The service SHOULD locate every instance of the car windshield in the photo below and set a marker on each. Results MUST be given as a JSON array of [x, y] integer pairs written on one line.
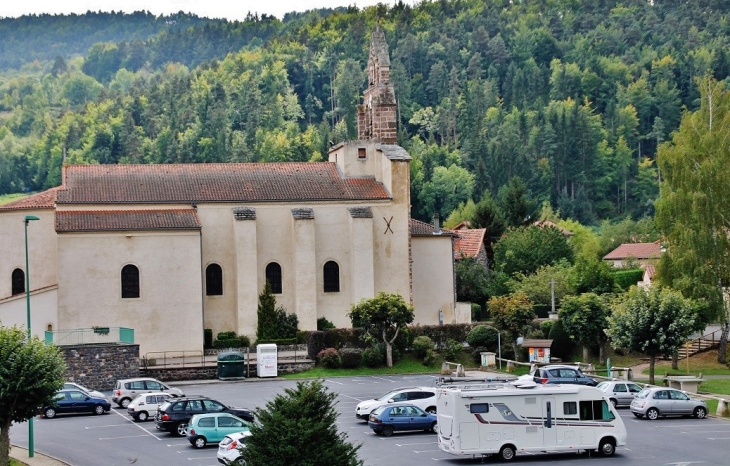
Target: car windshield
[[601, 385], [388, 395], [643, 394], [378, 410], [164, 406]]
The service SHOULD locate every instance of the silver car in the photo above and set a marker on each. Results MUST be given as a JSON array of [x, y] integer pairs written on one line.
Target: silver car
[[619, 393], [661, 401]]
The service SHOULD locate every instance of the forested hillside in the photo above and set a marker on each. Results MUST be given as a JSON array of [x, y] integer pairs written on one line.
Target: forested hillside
[[572, 97]]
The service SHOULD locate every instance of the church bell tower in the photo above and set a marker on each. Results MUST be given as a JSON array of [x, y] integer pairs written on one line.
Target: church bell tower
[[376, 116]]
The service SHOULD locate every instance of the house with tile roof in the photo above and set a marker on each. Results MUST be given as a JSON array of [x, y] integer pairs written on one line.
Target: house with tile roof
[[645, 253], [170, 250], [470, 242]]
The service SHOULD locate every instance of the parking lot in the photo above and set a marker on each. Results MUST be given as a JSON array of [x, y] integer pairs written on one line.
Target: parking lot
[[114, 439]]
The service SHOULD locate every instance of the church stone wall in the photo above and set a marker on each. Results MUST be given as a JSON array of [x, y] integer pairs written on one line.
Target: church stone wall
[[433, 280]]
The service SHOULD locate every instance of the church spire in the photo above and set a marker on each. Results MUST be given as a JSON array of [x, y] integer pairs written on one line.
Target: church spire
[[376, 117]]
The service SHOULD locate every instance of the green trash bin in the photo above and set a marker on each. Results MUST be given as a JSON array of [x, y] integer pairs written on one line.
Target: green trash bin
[[230, 365]]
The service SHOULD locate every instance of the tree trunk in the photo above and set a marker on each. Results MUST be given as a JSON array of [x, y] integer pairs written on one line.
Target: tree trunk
[[388, 354], [652, 361], [5, 443], [675, 359], [602, 353], [517, 353], [586, 354], [722, 349]]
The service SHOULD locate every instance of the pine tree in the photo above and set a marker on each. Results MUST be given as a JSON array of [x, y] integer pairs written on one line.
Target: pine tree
[[299, 428], [266, 313]]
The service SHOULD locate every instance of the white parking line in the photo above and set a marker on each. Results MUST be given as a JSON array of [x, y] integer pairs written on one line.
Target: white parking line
[[332, 381], [110, 425], [126, 436], [129, 421], [425, 451], [387, 380], [718, 438], [409, 444]]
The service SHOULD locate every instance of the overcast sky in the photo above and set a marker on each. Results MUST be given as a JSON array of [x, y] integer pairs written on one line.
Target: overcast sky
[[230, 9]]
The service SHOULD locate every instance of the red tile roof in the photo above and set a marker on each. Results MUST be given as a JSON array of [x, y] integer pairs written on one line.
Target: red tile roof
[[635, 250], [419, 228], [126, 220], [42, 200], [213, 182], [469, 242]]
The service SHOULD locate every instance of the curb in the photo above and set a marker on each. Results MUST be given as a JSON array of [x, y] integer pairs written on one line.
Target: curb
[[39, 459]]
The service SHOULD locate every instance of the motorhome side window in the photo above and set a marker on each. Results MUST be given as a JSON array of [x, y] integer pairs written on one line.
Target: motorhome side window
[[479, 408], [596, 410], [570, 407]]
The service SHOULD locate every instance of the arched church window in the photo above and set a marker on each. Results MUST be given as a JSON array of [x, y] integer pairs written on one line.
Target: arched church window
[[331, 273], [273, 276], [18, 280], [214, 280], [130, 281]]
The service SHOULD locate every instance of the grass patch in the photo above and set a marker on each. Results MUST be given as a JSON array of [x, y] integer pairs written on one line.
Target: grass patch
[[716, 386], [7, 198], [705, 363], [14, 462]]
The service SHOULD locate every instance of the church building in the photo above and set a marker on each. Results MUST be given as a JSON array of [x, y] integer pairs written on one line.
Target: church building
[[170, 250]]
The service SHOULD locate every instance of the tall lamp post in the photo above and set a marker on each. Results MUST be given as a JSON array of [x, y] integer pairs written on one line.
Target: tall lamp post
[[28, 219]]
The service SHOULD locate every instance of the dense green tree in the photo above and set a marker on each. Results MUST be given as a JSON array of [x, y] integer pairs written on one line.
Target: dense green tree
[[548, 283], [383, 318], [472, 280], [693, 202], [585, 317], [517, 207], [299, 427], [31, 372], [511, 314], [655, 322], [526, 249]]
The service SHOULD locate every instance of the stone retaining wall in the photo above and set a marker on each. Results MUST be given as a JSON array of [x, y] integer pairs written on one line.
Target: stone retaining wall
[[252, 349], [98, 367], [211, 372]]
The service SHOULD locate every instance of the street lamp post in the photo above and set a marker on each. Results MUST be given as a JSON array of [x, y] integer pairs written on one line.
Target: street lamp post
[[28, 219]]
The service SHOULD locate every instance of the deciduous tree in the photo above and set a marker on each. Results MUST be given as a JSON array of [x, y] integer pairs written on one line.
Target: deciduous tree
[[585, 319], [512, 314]]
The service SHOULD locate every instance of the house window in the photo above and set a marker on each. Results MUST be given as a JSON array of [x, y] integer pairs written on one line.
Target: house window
[[331, 277], [213, 280], [130, 281], [273, 276], [18, 279], [361, 154]]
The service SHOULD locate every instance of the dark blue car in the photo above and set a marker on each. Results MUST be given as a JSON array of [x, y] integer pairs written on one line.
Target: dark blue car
[[399, 417], [75, 401]]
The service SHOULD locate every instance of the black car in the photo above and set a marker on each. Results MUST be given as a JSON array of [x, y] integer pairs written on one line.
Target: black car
[[562, 374], [75, 401], [174, 414]]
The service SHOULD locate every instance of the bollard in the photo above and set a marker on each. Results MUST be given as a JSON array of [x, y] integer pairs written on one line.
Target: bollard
[[460, 371], [722, 408], [445, 369], [510, 366]]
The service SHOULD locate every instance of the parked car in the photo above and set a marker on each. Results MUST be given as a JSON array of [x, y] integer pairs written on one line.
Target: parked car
[[229, 452], [423, 397], [400, 417], [145, 405], [206, 428], [561, 374], [174, 414], [653, 402], [75, 386], [127, 390], [619, 393], [75, 401]]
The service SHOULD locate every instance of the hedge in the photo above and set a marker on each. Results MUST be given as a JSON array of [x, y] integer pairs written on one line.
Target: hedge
[[628, 278]]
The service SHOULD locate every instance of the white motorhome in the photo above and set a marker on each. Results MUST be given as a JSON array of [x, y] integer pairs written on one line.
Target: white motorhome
[[483, 421]]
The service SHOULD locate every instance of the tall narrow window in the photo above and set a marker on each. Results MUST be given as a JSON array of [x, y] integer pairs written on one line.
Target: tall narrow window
[[213, 280], [273, 276], [331, 277], [18, 279], [130, 281]]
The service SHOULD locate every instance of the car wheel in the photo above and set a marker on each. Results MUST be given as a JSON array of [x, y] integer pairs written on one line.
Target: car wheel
[[431, 410], [434, 425], [142, 416], [606, 447], [652, 414], [124, 402], [700, 412], [387, 431], [199, 442], [98, 409], [180, 429], [49, 413], [614, 403], [239, 462], [507, 453]]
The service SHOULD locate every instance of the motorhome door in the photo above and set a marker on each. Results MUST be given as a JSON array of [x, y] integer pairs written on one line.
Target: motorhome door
[[549, 426]]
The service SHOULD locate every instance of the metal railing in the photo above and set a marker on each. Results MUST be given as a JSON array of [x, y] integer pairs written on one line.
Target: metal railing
[[90, 336], [167, 359]]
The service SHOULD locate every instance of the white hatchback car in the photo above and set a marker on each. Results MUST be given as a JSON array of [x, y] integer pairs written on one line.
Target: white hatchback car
[[229, 452], [127, 390], [423, 397], [145, 405]]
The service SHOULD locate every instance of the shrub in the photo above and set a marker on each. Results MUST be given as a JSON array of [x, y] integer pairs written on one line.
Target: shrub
[[483, 335], [227, 343], [546, 326], [329, 358], [225, 335], [627, 278], [429, 358], [451, 350], [315, 344], [421, 345], [208, 338], [324, 324], [351, 357], [372, 357], [231, 340], [245, 341], [562, 346]]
